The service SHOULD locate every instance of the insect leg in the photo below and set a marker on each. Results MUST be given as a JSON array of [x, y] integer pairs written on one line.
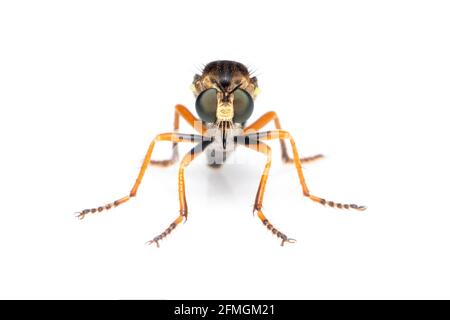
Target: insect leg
[[272, 116], [195, 123], [281, 134], [257, 207], [174, 137], [187, 159]]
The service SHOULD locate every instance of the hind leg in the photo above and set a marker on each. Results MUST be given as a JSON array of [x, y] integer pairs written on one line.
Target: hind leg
[[263, 121]]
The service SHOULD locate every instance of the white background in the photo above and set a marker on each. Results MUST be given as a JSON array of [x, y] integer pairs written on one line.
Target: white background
[[85, 86]]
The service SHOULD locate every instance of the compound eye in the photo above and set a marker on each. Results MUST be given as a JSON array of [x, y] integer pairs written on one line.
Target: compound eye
[[206, 105], [242, 105]]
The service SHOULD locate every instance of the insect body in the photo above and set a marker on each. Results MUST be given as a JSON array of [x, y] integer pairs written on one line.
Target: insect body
[[225, 94]]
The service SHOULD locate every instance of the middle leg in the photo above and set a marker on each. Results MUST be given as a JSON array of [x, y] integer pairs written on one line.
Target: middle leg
[[173, 137], [187, 159], [281, 134]]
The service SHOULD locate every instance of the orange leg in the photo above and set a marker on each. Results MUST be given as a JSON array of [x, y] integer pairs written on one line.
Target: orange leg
[[187, 159], [265, 149], [195, 123], [281, 134], [174, 137], [263, 121]]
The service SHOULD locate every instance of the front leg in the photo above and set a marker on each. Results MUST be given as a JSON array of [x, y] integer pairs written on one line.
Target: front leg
[[257, 207], [174, 137]]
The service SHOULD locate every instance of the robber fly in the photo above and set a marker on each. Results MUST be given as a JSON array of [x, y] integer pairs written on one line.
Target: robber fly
[[225, 92]]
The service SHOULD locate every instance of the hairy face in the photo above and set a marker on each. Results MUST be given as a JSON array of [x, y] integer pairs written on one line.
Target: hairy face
[[225, 92]]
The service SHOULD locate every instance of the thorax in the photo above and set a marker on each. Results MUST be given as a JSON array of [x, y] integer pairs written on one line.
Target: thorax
[[223, 138]]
